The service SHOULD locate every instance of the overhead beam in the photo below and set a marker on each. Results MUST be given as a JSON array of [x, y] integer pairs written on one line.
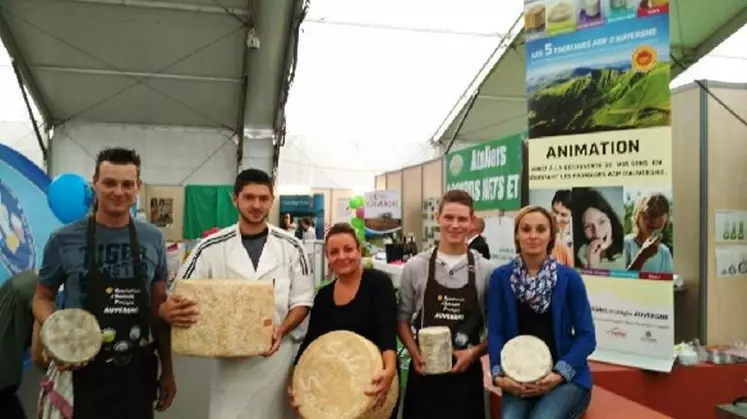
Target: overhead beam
[[503, 98], [168, 5], [495, 58], [9, 40], [134, 74]]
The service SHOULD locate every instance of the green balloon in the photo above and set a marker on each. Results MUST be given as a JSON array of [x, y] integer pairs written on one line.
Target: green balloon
[[356, 202], [357, 223], [361, 235]]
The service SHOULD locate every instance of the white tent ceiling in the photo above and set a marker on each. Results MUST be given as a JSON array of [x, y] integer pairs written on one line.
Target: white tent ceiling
[[155, 62]]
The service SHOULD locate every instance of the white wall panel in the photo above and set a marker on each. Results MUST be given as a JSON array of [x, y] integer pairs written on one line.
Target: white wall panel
[[170, 156]]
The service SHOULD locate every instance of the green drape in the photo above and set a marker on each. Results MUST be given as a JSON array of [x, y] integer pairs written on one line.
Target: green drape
[[206, 207]]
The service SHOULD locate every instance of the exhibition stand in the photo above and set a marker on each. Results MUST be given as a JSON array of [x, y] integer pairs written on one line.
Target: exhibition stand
[[627, 392]]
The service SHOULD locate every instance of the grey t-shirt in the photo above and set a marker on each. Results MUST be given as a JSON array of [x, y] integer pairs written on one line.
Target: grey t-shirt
[[254, 245], [415, 277], [64, 260]]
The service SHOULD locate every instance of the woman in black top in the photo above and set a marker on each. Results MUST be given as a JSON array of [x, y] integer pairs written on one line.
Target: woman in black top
[[358, 300]]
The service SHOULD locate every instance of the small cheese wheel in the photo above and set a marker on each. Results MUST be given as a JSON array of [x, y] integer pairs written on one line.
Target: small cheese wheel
[[435, 348], [71, 336], [333, 374], [526, 359]]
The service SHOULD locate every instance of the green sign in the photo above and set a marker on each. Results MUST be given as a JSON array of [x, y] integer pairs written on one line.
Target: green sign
[[490, 172]]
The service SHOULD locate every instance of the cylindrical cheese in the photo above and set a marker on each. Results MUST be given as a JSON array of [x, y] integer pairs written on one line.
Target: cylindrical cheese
[[534, 18], [235, 320], [435, 348], [71, 336], [333, 375], [526, 359]]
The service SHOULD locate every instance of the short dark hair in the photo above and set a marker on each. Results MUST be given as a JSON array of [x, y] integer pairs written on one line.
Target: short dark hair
[[342, 228], [118, 155], [249, 177], [562, 197], [456, 196]]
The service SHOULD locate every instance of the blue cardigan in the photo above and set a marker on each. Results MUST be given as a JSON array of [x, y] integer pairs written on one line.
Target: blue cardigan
[[573, 326]]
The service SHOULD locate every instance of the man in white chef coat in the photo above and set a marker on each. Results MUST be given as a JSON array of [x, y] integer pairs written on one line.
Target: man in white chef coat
[[252, 388]]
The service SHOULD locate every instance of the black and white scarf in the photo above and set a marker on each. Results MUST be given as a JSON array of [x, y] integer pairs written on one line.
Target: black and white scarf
[[535, 292]]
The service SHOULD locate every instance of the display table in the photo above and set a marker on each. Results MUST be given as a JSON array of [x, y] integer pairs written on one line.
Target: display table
[[393, 270], [687, 392]]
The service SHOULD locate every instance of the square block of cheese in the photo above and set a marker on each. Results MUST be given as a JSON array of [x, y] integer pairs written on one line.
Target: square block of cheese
[[236, 318]]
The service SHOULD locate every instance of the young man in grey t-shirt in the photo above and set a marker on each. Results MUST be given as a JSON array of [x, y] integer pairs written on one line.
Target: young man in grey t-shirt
[[446, 287], [114, 267]]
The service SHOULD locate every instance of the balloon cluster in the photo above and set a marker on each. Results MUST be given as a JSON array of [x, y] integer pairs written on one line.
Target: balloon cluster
[[357, 204], [70, 198]]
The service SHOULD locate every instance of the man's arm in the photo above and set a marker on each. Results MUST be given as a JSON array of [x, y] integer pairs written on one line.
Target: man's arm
[[175, 310], [406, 309], [301, 297], [37, 352], [197, 265], [161, 329], [51, 277]]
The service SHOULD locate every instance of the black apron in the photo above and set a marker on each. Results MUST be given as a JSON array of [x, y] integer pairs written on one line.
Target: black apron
[[10, 405], [451, 395], [122, 381]]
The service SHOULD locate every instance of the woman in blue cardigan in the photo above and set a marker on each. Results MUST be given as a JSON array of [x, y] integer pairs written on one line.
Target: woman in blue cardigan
[[535, 295]]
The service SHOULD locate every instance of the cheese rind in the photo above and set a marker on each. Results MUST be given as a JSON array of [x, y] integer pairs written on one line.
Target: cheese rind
[[235, 318], [436, 349], [526, 359], [333, 374], [71, 336]]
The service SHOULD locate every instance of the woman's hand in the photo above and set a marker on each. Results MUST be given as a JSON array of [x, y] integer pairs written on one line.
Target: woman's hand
[[510, 386], [381, 382], [291, 395], [178, 311], [544, 385], [594, 251]]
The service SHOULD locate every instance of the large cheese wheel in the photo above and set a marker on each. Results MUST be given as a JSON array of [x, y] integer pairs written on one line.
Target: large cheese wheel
[[333, 374], [435, 348], [526, 359], [235, 320], [71, 336]]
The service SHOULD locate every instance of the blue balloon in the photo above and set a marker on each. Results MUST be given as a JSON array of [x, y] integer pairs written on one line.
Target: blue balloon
[[69, 197]]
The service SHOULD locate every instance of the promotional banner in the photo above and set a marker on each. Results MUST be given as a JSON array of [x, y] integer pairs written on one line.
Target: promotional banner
[[26, 221], [490, 172], [600, 157], [383, 211]]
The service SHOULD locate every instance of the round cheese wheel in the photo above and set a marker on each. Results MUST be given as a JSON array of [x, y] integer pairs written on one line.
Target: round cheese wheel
[[71, 336], [526, 359], [435, 348], [333, 374]]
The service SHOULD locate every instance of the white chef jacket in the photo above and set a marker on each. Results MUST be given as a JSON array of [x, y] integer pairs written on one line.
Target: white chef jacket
[[254, 387]]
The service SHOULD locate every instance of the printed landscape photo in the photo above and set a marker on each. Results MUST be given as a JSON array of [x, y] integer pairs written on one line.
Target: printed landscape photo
[[599, 99], [598, 89]]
